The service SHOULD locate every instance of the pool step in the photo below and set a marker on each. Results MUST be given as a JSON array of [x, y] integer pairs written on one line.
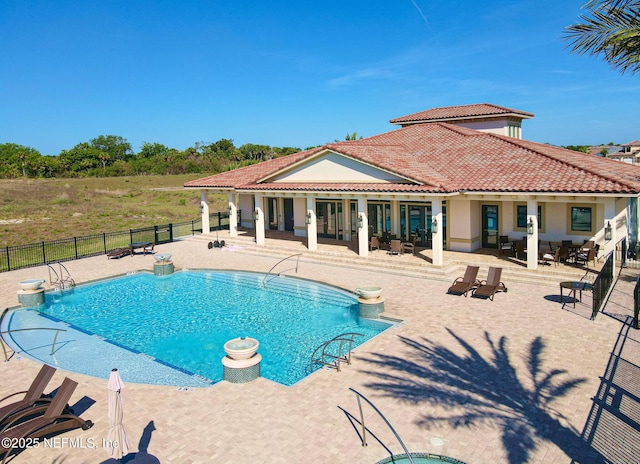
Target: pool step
[[282, 285]]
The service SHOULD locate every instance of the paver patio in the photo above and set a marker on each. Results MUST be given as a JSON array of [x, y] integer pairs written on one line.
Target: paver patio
[[462, 377]]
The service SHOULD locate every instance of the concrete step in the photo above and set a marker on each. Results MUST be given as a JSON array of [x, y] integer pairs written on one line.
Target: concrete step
[[409, 265]]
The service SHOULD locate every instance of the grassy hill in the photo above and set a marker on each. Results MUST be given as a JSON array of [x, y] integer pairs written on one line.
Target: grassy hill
[[33, 210]]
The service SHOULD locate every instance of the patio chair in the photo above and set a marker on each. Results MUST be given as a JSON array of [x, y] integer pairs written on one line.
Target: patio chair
[[410, 246], [395, 247], [505, 245], [588, 244], [54, 419], [565, 254], [521, 252], [32, 397], [463, 284], [554, 257], [374, 243], [584, 257], [488, 288]]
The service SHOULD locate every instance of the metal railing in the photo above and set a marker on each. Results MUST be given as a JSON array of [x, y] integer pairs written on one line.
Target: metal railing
[[603, 282], [601, 285], [636, 304], [10, 331], [364, 428], [68, 249], [332, 352], [264, 280], [62, 279]]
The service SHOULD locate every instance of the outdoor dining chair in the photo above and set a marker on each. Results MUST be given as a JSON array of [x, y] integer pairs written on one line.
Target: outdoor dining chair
[[374, 243], [395, 247], [410, 246], [505, 245], [584, 257]]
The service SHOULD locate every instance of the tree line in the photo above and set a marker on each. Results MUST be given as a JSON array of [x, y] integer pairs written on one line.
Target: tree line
[[111, 155]]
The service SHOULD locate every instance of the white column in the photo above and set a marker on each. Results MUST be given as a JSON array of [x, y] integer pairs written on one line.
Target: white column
[[204, 212], [363, 229], [395, 218], [280, 202], [610, 219], [437, 244], [532, 239], [312, 227], [346, 220], [233, 215], [258, 208]]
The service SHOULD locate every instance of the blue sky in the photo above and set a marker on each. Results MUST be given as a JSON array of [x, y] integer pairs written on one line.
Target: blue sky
[[301, 73]]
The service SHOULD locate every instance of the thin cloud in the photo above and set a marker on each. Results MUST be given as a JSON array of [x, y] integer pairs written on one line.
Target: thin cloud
[[424, 18], [361, 75]]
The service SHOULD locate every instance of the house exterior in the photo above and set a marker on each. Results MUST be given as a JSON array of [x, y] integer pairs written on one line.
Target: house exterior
[[456, 177], [630, 153]]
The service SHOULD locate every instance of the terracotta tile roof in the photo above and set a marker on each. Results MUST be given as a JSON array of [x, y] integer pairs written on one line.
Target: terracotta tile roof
[[441, 157], [633, 143], [460, 112]]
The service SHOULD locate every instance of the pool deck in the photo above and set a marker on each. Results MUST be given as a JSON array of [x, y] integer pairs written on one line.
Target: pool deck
[[461, 377]]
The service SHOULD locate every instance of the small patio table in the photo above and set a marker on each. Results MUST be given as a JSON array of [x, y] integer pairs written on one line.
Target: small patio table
[[573, 287], [146, 246]]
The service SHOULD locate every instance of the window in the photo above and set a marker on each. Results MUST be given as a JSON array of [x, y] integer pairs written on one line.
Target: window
[[521, 213], [581, 218]]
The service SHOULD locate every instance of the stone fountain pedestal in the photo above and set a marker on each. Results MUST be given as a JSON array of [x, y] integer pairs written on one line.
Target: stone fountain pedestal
[[31, 293], [370, 302], [163, 265], [370, 308], [242, 362]]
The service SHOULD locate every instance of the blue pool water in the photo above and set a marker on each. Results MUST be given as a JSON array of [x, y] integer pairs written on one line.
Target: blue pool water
[[185, 318]]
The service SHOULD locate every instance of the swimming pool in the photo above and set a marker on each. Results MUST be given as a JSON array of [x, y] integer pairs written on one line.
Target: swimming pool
[[184, 319]]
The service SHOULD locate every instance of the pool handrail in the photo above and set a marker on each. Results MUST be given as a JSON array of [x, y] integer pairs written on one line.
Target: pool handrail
[[10, 331], [364, 428], [334, 360], [61, 280], [264, 280]]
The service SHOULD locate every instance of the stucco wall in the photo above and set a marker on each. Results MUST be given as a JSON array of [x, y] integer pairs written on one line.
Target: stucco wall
[[299, 214], [245, 203]]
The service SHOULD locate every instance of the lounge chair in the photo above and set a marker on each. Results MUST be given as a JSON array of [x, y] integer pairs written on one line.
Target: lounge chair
[[119, 253], [54, 419], [488, 288], [463, 284], [32, 397]]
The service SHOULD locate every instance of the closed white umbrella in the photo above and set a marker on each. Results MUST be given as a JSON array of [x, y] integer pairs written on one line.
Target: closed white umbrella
[[117, 443]]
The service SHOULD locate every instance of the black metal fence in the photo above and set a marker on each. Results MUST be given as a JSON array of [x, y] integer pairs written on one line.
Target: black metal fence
[[604, 280], [601, 285], [67, 249], [636, 304]]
